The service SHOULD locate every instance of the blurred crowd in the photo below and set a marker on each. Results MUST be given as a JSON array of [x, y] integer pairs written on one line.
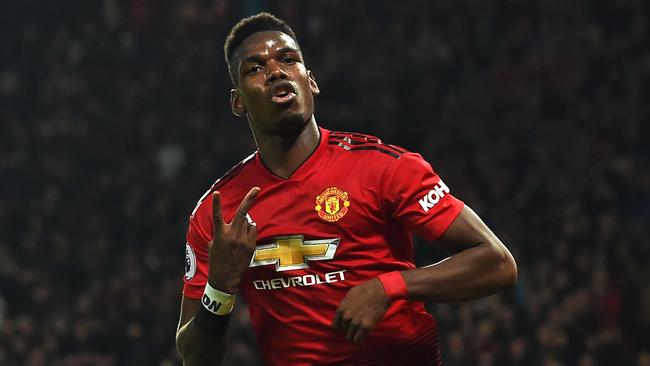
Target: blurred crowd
[[115, 120]]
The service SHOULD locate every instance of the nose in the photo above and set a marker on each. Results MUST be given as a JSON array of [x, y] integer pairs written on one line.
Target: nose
[[274, 72]]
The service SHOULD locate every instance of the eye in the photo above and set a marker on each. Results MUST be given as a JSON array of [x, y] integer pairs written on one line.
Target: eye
[[289, 59], [253, 69]]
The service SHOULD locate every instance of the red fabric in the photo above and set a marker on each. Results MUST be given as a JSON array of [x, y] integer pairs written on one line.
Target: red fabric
[[386, 189], [394, 285]]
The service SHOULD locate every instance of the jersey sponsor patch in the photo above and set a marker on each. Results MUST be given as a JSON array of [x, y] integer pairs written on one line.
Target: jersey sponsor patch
[[190, 262], [300, 281], [433, 196], [293, 252]]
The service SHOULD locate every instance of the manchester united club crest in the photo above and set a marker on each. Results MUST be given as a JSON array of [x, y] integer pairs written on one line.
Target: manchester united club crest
[[332, 204]]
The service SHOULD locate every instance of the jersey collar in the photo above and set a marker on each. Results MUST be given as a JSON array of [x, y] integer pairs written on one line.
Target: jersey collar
[[306, 166]]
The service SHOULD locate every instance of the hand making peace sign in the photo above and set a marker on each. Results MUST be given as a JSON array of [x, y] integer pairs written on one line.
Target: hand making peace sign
[[233, 244]]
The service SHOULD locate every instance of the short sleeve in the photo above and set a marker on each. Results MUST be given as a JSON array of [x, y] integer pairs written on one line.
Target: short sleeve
[[199, 233], [418, 198]]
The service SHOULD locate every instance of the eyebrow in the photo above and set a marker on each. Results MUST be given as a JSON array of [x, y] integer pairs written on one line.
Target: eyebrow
[[259, 60], [288, 50]]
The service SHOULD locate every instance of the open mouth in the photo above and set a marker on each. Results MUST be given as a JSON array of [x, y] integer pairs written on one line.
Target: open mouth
[[283, 97], [282, 93]]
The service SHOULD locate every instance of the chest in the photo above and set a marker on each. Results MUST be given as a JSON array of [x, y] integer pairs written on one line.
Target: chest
[[316, 221], [323, 205]]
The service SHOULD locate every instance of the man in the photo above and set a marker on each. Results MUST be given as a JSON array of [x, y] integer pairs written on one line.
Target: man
[[314, 230]]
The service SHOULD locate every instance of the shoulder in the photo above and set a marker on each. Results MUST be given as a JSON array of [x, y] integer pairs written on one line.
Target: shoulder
[[225, 182], [378, 155], [234, 173], [371, 153], [376, 161], [364, 145]]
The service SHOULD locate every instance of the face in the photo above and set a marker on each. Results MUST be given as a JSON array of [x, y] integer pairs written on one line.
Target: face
[[275, 90]]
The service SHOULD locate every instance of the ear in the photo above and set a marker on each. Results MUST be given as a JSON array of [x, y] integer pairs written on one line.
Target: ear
[[236, 106], [315, 90]]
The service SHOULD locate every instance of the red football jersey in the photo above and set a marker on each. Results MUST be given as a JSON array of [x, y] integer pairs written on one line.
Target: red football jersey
[[343, 217]]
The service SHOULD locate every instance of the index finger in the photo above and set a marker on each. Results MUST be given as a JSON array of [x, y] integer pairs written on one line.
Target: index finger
[[217, 216], [245, 205]]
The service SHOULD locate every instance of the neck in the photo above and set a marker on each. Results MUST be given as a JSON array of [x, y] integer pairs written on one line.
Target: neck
[[283, 154]]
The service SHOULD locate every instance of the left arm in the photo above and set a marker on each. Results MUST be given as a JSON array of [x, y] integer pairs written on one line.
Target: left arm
[[480, 265]]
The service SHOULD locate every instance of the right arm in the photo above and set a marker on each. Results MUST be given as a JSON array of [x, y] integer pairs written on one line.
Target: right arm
[[201, 335], [196, 346]]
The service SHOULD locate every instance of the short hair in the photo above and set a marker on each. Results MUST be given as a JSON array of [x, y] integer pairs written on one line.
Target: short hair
[[246, 27]]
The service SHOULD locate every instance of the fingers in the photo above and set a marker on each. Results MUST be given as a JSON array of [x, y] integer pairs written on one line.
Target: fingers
[[246, 203], [252, 231], [353, 328], [240, 215], [356, 322], [338, 320], [217, 216], [362, 333], [347, 325]]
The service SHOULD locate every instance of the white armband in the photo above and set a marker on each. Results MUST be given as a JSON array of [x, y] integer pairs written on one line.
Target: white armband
[[217, 302]]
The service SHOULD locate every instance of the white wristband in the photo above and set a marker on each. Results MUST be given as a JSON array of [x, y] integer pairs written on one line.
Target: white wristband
[[217, 302]]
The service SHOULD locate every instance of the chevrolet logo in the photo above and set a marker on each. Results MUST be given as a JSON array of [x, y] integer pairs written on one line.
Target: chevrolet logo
[[293, 252]]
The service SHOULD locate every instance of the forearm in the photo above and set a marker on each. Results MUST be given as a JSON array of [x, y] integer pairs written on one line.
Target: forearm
[[473, 273], [198, 347]]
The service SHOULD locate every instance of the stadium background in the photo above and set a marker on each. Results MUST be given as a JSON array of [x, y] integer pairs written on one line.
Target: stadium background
[[115, 120]]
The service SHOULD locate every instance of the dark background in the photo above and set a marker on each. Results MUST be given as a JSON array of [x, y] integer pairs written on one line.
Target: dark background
[[114, 121]]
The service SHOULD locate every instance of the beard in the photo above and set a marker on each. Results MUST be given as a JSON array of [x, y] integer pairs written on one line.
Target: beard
[[286, 122], [287, 127], [290, 123]]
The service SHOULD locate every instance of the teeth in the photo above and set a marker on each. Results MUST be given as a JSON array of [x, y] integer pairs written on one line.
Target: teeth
[[282, 98]]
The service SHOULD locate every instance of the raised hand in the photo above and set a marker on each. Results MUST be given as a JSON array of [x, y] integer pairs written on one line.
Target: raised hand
[[233, 244], [361, 310]]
